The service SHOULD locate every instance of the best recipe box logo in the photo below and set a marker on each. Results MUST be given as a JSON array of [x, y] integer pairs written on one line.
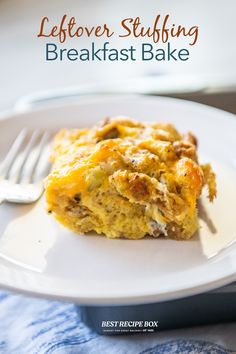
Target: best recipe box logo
[[129, 326], [159, 33]]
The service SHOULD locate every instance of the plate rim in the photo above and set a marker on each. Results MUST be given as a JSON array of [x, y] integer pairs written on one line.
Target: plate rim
[[124, 300], [143, 298]]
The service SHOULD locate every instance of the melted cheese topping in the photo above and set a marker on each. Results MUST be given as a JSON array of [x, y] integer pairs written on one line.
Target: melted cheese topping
[[123, 178]]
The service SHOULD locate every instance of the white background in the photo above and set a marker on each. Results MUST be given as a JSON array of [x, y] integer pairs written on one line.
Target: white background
[[24, 70]]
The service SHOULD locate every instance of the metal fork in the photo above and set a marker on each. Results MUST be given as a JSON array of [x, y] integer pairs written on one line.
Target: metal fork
[[24, 168]]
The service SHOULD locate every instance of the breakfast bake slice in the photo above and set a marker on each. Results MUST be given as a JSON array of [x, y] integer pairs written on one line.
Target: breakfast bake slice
[[123, 178]]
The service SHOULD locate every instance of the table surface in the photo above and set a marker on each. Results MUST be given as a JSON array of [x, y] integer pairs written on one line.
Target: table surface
[[23, 70]]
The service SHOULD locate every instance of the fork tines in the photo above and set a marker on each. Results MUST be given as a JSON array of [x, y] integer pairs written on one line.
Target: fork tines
[[27, 159]]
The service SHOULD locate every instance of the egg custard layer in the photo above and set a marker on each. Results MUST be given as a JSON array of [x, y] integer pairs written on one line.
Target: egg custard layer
[[123, 178]]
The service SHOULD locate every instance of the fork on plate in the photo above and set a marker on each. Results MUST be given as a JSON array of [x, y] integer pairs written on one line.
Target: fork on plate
[[24, 168]]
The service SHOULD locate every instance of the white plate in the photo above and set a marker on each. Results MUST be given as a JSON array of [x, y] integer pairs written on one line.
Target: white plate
[[40, 257]]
